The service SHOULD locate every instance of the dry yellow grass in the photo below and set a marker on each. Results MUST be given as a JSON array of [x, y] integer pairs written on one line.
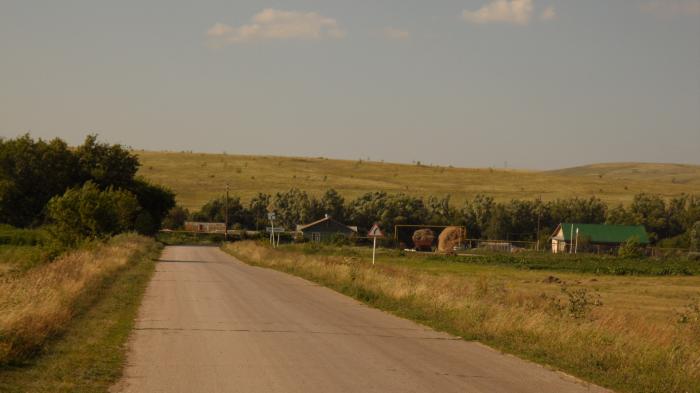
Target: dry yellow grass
[[38, 304], [198, 177], [614, 345]]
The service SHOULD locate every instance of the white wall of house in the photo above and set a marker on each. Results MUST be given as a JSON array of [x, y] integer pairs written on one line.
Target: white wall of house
[[558, 243], [558, 246]]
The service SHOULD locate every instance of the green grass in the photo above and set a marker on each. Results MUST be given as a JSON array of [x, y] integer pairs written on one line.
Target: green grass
[[22, 237], [628, 333], [197, 178], [89, 355], [545, 261], [180, 238], [22, 249], [17, 259]]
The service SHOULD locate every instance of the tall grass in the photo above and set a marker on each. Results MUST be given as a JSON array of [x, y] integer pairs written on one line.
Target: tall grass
[[571, 332], [38, 304], [22, 237]]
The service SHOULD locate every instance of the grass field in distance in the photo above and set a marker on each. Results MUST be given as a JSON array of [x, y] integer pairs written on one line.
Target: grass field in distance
[[198, 177]]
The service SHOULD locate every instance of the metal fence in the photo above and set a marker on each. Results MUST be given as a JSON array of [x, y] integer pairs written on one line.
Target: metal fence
[[501, 245]]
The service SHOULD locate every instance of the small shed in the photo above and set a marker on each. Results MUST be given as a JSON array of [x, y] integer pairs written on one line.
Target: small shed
[[595, 237], [325, 229], [205, 227]]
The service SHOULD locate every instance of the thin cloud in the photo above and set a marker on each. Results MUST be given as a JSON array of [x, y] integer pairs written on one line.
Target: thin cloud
[[392, 33], [516, 12], [549, 14], [273, 24], [671, 7]]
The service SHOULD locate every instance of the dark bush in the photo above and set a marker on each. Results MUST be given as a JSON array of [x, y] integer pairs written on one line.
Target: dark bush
[[89, 213]]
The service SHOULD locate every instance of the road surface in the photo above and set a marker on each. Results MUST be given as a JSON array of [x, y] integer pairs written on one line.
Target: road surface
[[210, 323]]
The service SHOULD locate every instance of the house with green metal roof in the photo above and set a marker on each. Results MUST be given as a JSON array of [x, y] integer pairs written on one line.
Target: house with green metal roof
[[595, 237]]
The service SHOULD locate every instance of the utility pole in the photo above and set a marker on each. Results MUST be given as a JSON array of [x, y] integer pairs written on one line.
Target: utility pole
[[271, 216], [226, 214], [539, 214], [571, 239], [538, 230]]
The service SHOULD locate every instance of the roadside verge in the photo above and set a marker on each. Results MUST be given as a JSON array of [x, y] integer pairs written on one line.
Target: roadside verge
[[602, 345], [69, 320]]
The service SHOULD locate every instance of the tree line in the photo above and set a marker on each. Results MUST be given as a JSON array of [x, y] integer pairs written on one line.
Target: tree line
[[668, 221], [89, 191]]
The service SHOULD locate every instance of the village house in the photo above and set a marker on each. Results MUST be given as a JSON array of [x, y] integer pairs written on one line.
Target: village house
[[325, 229], [205, 227], [595, 237]]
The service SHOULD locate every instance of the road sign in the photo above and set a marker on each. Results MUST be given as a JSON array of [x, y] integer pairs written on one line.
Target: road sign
[[375, 232], [271, 216], [276, 229]]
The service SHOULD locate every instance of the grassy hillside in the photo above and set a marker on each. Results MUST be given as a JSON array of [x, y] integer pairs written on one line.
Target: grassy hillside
[[197, 177], [664, 173]]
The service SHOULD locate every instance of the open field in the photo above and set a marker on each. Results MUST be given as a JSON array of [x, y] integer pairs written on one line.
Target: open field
[[38, 304], [629, 333], [198, 177], [680, 265]]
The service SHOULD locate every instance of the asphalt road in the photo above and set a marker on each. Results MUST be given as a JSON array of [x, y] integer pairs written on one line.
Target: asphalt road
[[210, 323]]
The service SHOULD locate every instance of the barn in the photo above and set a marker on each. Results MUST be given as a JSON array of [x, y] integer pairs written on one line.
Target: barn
[[206, 227], [595, 237], [325, 229]]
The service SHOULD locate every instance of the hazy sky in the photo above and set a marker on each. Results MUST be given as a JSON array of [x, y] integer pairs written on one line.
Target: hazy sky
[[536, 83]]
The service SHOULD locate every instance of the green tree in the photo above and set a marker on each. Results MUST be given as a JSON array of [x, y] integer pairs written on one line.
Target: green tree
[[107, 165], [156, 202], [31, 173], [292, 207], [478, 212], [89, 213], [498, 226], [333, 204], [215, 211], [650, 210], [176, 217], [467, 218], [630, 249], [619, 215], [258, 209], [440, 212], [402, 209], [522, 219], [578, 210], [367, 209]]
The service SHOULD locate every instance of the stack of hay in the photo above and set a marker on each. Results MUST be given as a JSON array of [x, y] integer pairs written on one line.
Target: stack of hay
[[423, 239], [450, 238]]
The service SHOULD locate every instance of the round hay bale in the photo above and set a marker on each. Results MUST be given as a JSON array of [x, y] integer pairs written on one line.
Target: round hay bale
[[450, 238], [423, 239]]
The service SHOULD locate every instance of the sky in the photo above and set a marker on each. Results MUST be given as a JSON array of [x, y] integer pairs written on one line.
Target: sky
[[535, 84]]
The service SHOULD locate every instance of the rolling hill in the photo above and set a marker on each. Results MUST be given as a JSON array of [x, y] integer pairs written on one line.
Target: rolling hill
[[198, 177]]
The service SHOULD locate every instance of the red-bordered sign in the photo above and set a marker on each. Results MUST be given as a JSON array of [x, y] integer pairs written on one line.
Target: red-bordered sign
[[375, 231]]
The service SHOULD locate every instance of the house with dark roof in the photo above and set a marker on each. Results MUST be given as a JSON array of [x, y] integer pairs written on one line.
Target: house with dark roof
[[595, 237], [325, 229]]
